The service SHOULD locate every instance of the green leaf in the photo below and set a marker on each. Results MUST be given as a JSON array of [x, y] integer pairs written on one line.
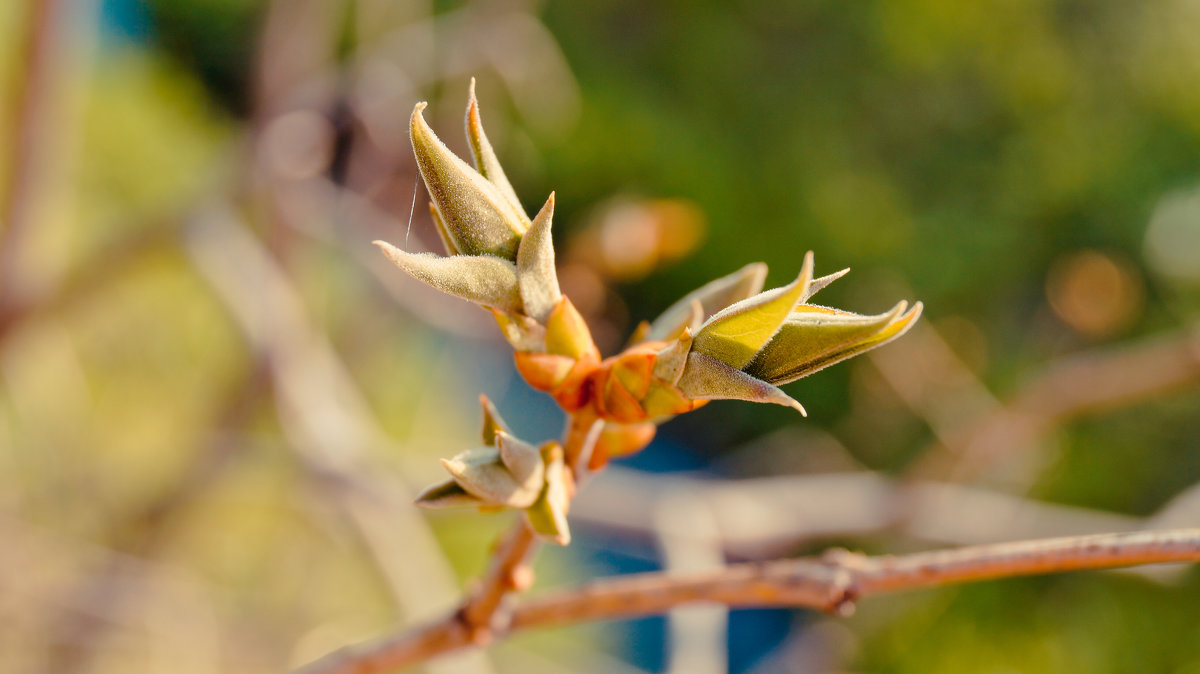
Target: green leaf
[[816, 337], [482, 279], [485, 157], [706, 378], [735, 334], [536, 276], [477, 217], [712, 297]]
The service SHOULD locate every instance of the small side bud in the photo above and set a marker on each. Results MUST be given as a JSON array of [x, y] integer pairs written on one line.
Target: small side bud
[[523, 460], [567, 333], [482, 474]]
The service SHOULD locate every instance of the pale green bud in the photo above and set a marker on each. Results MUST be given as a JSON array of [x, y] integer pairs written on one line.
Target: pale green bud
[[706, 378], [536, 276], [483, 474], [483, 279], [477, 217]]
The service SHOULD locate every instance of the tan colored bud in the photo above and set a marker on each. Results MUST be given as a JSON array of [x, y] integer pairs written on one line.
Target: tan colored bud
[[482, 279], [536, 276], [478, 218], [448, 494], [486, 161], [482, 473]]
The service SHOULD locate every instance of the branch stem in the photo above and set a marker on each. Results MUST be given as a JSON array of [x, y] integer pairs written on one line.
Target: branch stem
[[832, 582]]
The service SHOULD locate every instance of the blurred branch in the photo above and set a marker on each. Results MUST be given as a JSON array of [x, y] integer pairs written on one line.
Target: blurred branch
[[101, 268], [140, 534], [33, 92], [319, 406], [1081, 384], [974, 430], [833, 582], [760, 518]]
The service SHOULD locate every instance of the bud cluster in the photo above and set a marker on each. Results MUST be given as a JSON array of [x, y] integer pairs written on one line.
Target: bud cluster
[[728, 339]]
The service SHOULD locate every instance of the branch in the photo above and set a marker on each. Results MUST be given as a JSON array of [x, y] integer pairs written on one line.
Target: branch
[[829, 583]]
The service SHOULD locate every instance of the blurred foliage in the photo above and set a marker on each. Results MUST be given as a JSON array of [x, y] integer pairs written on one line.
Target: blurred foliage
[[962, 153]]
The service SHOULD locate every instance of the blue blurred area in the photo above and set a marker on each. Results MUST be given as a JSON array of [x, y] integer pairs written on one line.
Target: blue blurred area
[[125, 20]]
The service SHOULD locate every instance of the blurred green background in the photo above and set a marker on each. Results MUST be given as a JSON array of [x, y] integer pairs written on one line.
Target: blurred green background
[[216, 401]]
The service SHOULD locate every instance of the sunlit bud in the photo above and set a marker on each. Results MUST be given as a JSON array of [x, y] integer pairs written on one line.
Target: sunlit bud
[[477, 216], [482, 279], [815, 337], [483, 474], [485, 158], [736, 333], [536, 277], [706, 378], [567, 334], [711, 298]]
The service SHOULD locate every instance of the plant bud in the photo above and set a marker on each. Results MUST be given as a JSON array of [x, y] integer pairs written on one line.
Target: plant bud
[[477, 217]]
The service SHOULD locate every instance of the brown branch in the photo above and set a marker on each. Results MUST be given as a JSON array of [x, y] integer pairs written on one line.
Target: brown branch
[[31, 98], [829, 583]]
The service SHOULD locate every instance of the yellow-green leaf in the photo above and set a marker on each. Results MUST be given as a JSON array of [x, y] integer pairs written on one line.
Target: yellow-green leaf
[[735, 334], [711, 298], [816, 337]]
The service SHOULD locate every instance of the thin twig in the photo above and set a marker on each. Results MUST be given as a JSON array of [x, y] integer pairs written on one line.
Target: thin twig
[[833, 582]]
